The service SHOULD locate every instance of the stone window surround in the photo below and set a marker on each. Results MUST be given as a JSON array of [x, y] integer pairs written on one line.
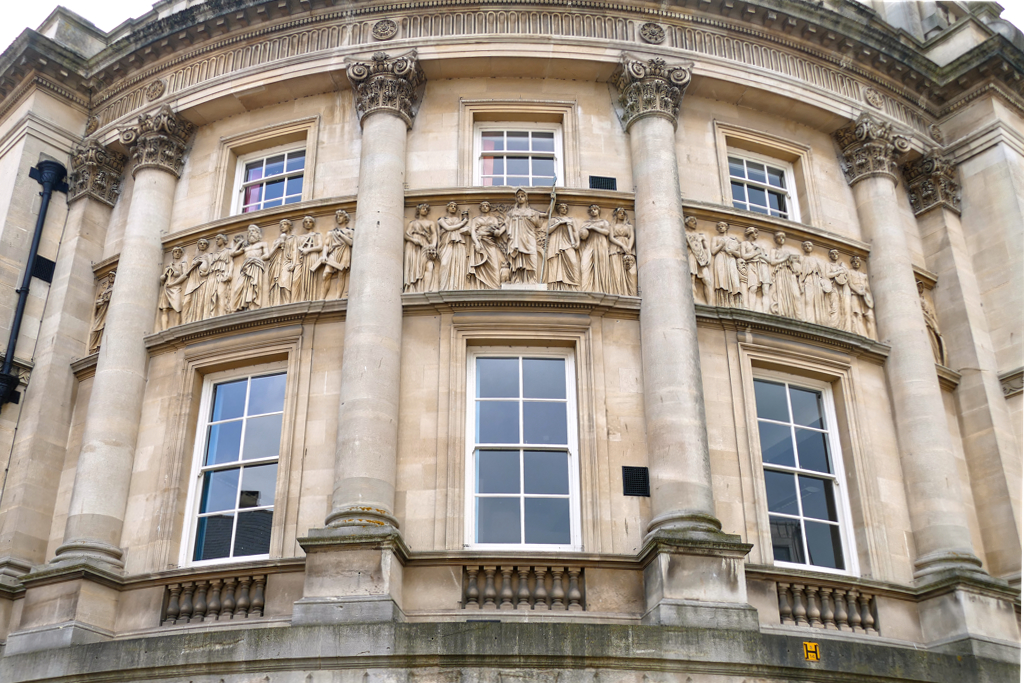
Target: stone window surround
[[789, 177], [860, 499], [564, 113], [286, 136], [743, 140]]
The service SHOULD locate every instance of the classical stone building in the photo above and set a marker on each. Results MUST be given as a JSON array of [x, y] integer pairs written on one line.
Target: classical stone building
[[511, 341]]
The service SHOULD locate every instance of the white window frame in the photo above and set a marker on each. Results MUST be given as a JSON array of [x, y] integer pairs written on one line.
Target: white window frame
[[198, 455], [239, 186], [573, 448], [792, 204], [478, 154], [846, 531]]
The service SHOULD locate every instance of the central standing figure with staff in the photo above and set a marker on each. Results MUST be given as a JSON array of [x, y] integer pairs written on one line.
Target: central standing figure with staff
[[523, 225]]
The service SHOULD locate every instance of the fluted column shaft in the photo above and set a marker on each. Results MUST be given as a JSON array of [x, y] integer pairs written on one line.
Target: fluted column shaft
[[367, 445], [677, 441], [937, 514], [103, 475]]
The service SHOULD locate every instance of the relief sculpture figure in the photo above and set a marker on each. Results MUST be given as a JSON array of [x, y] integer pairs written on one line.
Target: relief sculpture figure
[[522, 224], [726, 251], [839, 298], [931, 321], [787, 267], [487, 259], [862, 304], [249, 288], [595, 252], [817, 286], [307, 283], [563, 260], [281, 266], [622, 262], [699, 259], [453, 232], [170, 294], [420, 252], [759, 273], [196, 298], [99, 314], [222, 267], [337, 254]]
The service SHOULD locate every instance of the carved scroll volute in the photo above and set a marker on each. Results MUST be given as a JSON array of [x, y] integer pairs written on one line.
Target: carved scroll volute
[[387, 84], [931, 181], [650, 87], [95, 172], [870, 148], [158, 140]]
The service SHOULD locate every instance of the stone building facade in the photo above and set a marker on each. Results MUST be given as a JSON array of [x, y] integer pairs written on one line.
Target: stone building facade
[[515, 340]]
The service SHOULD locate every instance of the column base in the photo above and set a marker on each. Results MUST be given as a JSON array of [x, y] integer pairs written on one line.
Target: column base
[[933, 566], [12, 569], [967, 613], [109, 556], [353, 575]]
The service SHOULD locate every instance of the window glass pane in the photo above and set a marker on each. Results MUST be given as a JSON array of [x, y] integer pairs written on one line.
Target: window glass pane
[[812, 450], [517, 181], [224, 442], [294, 186], [252, 197], [274, 190], [543, 378], [543, 166], [543, 181], [752, 207], [275, 166], [544, 423], [776, 444], [497, 472], [787, 540], [781, 489], [774, 200], [258, 484], [518, 165], [755, 194], [253, 171], [755, 172], [736, 167], [817, 498], [488, 182], [497, 377], [213, 537], [806, 408], [546, 472], [497, 422], [543, 142], [253, 534], [738, 192], [771, 401], [547, 520], [776, 177], [517, 140], [262, 437], [266, 395], [296, 161], [220, 489], [228, 400], [497, 520], [824, 545], [270, 205], [492, 141]]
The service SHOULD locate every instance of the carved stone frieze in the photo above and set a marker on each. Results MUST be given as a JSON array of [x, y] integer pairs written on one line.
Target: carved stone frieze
[[104, 289], [1012, 382], [385, 29], [155, 89], [387, 84], [158, 140], [931, 181], [652, 33], [870, 148], [931, 321], [650, 87], [95, 172]]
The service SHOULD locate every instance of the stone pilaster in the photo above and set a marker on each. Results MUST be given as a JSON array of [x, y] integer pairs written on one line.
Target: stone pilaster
[[685, 549], [986, 427], [941, 532], [158, 145], [362, 538]]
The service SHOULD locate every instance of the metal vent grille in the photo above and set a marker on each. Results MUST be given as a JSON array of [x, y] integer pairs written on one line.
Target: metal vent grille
[[600, 182], [636, 481]]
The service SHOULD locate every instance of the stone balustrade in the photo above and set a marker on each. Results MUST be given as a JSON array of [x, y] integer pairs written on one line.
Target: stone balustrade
[[525, 587], [828, 607], [218, 599]]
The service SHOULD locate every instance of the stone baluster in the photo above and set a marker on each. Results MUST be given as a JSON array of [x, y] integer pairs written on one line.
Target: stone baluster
[[853, 609], [557, 591], [867, 617], [200, 606], [506, 589], [227, 610], [540, 592], [828, 616], [242, 597], [523, 593], [99, 497], [799, 607], [214, 605], [489, 593], [813, 609], [258, 596], [785, 608], [472, 589], [842, 616], [574, 596], [173, 606], [187, 589]]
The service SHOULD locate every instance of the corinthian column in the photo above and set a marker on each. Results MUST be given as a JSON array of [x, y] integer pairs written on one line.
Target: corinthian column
[[939, 520], [682, 503], [96, 516]]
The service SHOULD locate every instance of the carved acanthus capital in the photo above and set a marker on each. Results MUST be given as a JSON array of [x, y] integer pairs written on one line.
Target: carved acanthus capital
[[387, 84], [650, 88], [870, 148], [158, 140], [95, 172], [931, 181]]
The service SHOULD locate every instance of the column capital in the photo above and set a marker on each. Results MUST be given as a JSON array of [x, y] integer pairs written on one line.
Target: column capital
[[931, 182], [870, 148], [158, 140], [387, 84], [95, 172], [650, 87]]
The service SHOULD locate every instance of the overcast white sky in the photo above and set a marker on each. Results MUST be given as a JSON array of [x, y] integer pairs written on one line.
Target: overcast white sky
[[107, 14]]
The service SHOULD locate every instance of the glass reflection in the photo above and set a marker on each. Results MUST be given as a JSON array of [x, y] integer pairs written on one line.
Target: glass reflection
[[787, 540], [497, 520], [776, 444], [547, 520], [812, 450], [252, 537], [219, 490], [543, 378], [224, 442], [497, 472], [258, 486], [781, 490], [806, 408], [497, 377], [262, 437], [817, 498], [546, 472], [497, 421], [545, 423], [213, 537], [228, 401], [824, 545], [771, 401]]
